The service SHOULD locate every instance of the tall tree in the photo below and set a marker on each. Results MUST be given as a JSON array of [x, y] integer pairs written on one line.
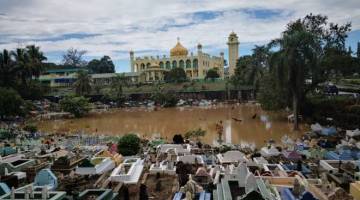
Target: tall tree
[[8, 70], [36, 59], [117, 88], [104, 65], [74, 57], [212, 74], [83, 83], [176, 75], [22, 61]]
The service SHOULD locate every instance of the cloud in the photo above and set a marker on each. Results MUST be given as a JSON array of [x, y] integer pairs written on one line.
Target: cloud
[[113, 27]]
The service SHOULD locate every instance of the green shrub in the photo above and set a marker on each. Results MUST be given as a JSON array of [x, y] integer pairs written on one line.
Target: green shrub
[[76, 105], [30, 128], [343, 110], [129, 145], [11, 104]]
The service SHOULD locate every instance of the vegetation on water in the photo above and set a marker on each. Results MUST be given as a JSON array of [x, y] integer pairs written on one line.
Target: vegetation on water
[[32, 128], [76, 105], [166, 99], [129, 145], [195, 134]]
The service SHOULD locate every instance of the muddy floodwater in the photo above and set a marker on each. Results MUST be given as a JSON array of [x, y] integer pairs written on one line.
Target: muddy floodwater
[[239, 122]]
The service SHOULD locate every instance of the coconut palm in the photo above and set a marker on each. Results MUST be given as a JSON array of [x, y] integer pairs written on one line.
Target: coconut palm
[[83, 83], [21, 60], [8, 70], [36, 58]]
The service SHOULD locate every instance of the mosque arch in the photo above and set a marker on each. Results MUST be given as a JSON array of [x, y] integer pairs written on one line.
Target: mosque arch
[[142, 66], [174, 64], [181, 64], [195, 63], [148, 65], [168, 66], [188, 63]]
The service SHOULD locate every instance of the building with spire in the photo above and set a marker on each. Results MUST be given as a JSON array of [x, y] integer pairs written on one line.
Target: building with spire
[[233, 45], [195, 65]]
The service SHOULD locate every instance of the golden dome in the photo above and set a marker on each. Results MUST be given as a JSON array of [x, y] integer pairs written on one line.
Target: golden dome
[[178, 50]]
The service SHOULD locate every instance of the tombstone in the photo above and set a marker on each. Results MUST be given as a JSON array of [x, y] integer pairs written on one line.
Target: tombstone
[[250, 183], [296, 189]]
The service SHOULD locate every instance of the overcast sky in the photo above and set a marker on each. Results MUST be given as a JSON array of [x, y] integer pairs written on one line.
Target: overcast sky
[[151, 27]]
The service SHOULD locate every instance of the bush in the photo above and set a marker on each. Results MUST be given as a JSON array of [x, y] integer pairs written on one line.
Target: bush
[[166, 100], [76, 105], [30, 128], [343, 110], [129, 145], [178, 139], [11, 104]]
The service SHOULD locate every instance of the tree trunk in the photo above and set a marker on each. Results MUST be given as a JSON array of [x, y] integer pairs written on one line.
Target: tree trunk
[[296, 112]]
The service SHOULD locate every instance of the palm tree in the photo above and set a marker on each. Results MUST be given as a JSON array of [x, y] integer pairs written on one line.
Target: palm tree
[[83, 83], [8, 70], [296, 55], [21, 61], [36, 58], [117, 85]]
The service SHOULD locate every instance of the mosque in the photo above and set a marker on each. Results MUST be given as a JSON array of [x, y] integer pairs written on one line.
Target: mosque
[[152, 69]]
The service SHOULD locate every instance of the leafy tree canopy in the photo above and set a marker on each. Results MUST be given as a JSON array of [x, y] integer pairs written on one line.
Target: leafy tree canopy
[[76, 105], [176, 75], [104, 65], [212, 74]]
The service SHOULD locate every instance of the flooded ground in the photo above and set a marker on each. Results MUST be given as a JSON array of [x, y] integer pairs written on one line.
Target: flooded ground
[[239, 123]]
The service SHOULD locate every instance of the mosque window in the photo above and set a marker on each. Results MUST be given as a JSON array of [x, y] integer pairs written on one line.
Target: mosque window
[[147, 65], [142, 66], [181, 64], [188, 64], [161, 64], [195, 63], [174, 64], [168, 65]]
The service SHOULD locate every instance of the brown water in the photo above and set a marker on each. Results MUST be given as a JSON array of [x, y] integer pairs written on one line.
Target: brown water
[[169, 121]]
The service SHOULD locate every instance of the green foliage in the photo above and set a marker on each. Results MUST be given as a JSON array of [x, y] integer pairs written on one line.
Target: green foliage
[[34, 90], [195, 133], [129, 145], [212, 74], [271, 96], [165, 99], [17, 69], [30, 128], [104, 65], [176, 75], [116, 92], [344, 111], [83, 83], [76, 105], [11, 104]]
